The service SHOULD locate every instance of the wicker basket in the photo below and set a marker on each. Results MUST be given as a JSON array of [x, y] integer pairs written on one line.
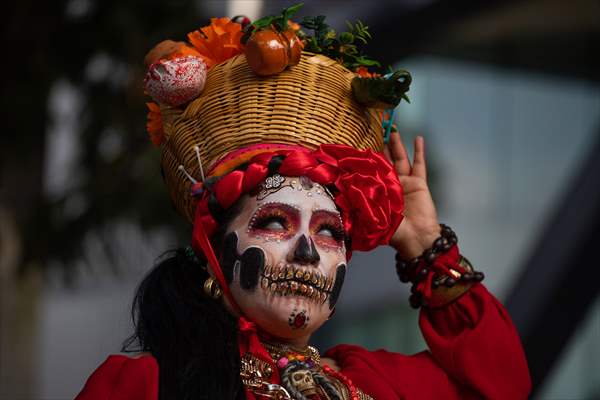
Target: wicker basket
[[309, 104]]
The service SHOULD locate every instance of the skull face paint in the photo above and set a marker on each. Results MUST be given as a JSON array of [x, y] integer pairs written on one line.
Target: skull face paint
[[298, 319], [285, 253], [248, 266]]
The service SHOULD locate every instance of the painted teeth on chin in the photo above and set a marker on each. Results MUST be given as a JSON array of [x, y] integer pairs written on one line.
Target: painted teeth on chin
[[306, 276], [294, 286], [303, 289], [282, 288], [284, 280], [314, 279], [317, 296]]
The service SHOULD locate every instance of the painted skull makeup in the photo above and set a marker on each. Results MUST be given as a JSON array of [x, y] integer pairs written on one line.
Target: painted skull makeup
[[284, 256]]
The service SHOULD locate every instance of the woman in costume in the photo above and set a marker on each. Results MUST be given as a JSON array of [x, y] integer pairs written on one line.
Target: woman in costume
[[275, 156]]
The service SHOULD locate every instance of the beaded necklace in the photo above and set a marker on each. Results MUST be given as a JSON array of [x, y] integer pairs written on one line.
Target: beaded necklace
[[303, 376]]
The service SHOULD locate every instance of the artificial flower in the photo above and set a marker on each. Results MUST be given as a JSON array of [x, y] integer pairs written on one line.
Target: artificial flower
[[154, 124], [363, 72], [371, 202], [184, 50], [218, 41]]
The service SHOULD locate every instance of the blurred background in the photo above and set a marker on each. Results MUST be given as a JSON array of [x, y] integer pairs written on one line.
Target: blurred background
[[506, 93]]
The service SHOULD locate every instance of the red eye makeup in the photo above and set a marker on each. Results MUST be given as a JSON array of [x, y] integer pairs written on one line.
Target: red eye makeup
[[326, 229], [276, 220]]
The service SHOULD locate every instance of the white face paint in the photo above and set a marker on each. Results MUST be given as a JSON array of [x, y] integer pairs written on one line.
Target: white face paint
[[301, 233]]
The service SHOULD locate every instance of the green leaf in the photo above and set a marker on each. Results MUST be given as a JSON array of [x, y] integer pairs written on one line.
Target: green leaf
[[362, 39], [368, 62], [263, 22], [346, 37], [290, 11]]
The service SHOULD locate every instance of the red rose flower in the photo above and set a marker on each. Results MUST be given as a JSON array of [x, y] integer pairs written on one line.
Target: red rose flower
[[370, 194]]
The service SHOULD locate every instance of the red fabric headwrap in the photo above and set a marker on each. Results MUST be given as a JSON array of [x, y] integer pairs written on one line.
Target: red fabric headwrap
[[367, 193]]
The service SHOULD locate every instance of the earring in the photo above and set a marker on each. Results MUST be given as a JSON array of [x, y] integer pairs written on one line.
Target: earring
[[212, 288]]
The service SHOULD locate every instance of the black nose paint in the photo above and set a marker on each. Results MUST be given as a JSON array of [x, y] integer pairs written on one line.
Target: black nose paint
[[340, 275], [306, 252], [251, 261]]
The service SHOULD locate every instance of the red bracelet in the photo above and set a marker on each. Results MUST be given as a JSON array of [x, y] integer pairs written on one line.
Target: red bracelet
[[439, 265]]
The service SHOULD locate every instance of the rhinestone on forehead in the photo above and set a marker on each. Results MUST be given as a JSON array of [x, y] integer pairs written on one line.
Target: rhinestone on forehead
[[273, 181], [315, 188], [266, 203]]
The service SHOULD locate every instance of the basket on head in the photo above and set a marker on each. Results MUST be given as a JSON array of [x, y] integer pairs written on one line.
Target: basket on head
[[308, 105]]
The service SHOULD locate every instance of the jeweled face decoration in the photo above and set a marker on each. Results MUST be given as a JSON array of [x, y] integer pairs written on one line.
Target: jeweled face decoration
[[284, 256]]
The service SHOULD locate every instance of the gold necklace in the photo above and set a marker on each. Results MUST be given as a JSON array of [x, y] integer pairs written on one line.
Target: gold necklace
[[256, 374], [283, 352]]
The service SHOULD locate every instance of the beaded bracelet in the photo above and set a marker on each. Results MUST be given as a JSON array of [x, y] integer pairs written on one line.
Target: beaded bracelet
[[424, 269]]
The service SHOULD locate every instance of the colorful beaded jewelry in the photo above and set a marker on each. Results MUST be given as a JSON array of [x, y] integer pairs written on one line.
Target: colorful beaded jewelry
[[439, 265]]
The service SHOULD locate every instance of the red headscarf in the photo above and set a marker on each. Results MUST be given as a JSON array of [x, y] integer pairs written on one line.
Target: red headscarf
[[367, 192]]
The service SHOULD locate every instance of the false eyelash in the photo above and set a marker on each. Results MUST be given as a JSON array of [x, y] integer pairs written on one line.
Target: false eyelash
[[337, 232], [263, 221]]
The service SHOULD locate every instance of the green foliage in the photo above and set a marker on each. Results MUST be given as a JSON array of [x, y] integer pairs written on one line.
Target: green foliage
[[342, 47], [279, 22], [383, 92]]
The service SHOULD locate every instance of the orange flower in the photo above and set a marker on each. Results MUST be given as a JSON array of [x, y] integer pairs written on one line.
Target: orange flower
[[184, 50], [293, 25], [218, 41], [154, 124], [363, 72]]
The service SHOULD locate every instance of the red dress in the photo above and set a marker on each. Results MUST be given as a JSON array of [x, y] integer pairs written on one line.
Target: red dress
[[474, 353]]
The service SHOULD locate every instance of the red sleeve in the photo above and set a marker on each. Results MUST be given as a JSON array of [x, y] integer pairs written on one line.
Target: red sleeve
[[474, 353], [121, 377], [476, 343], [385, 375]]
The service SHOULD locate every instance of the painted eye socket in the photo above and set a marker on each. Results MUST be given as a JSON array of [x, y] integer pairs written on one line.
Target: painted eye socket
[[325, 231], [275, 219], [273, 223], [331, 232]]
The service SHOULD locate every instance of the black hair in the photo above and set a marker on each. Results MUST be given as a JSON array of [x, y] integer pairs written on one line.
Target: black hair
[[193, 337]]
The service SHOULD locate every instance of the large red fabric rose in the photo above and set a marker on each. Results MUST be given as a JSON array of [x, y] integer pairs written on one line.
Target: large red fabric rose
[[368, 191], [370, 194]]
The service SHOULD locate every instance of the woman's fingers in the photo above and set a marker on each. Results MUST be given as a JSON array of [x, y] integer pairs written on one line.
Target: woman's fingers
[[386, 153], [419, 167], [398, 153]]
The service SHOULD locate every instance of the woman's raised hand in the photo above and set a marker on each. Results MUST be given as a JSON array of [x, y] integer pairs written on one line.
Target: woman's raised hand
[[420, 226]]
